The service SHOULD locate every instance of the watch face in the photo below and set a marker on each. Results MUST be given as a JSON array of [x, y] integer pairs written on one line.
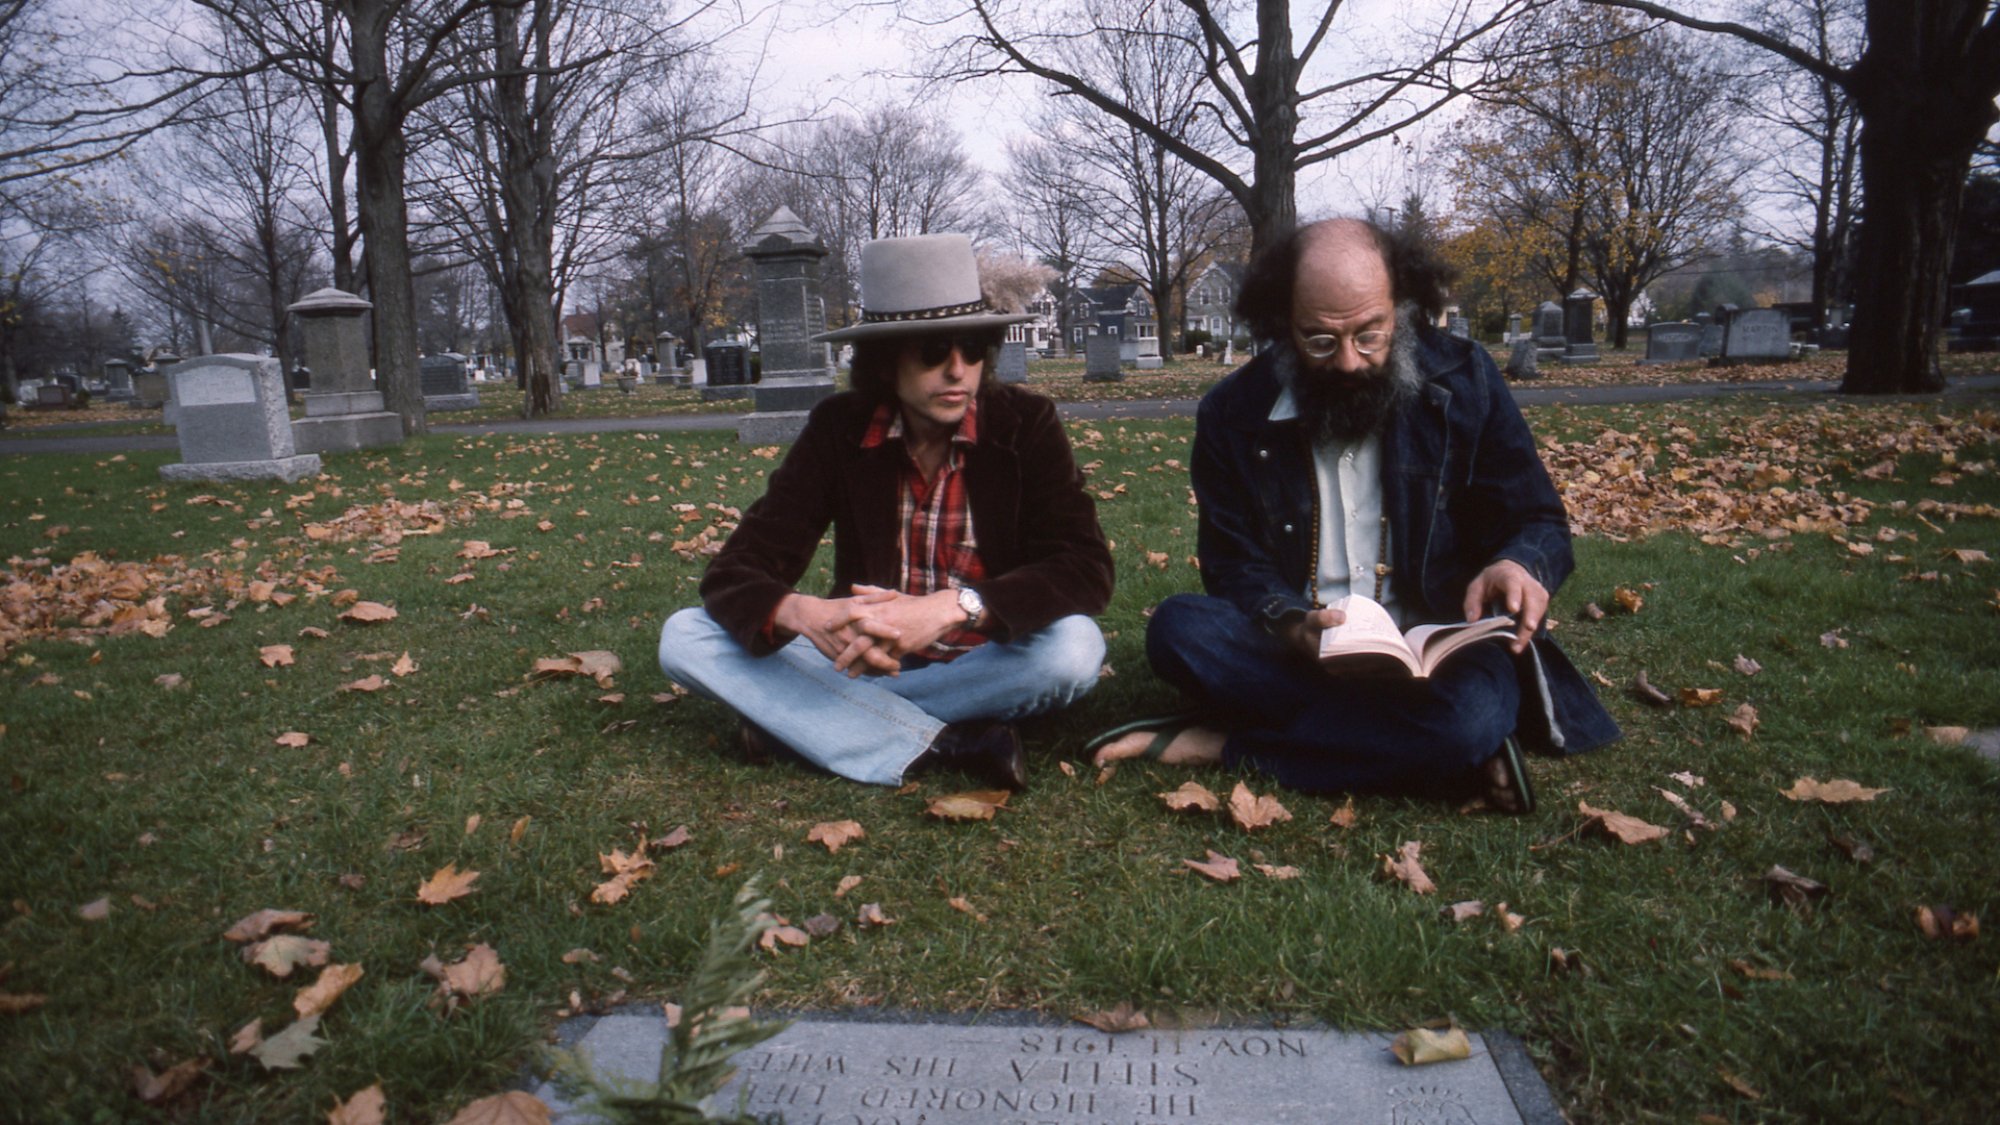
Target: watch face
[[970, 601]]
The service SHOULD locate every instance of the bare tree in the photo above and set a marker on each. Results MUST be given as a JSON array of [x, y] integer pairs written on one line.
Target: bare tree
[[1280, 105], [1813, 152], [1054, 219], [1924, 87], [1610, 154]]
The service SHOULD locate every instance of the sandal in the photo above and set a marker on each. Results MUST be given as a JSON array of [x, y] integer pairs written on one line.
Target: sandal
[[1517, 780], [1165, 729]]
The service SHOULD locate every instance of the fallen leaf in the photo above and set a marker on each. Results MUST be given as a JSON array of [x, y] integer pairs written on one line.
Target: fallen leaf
[[1736, 1083], [1628, 599], [404, 665], [1592, 612], [1967, 555], [1700, 697], [835, 833], [1272, 872], [978, 804], [318, 996], [773, 936], [1421, 1045], [847, 883], [247, 1037], [1839, 791], [1948, 736], [276, 656], [96, 910], [871, 915], [15, 1003], [1252, 812], [514, 1107], [1792, 889], [519, 829], [1460, 911], [1121, 1017], [169, 1084], [288, 1048], [281, 954], [680, 835], [368, 683], [822, 925], [1691, 780], [1628, 829], [1832, 640], [1192, 796], [1855, 849], [293, 738], [1747, 666], [964, 906], [1743, 720], [580, 954], [1694, 815], [1647, 693], [170, 680], [366, 1107], [1942, 922], [445, 884], [1344, 816], [250, 927], [1754, 972], [1217, 866], [478, 973], [1405, 866], [368, 613], [1509, 920]]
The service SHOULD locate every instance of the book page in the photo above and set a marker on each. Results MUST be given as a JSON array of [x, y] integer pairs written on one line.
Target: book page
[[1368, 629], [1432, 643]]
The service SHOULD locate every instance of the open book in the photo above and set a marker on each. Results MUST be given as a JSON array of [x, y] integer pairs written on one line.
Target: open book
[[1370, 631]]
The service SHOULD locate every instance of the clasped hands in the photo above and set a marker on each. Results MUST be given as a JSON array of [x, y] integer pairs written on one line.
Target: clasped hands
[[1505, 583], [870, 632]]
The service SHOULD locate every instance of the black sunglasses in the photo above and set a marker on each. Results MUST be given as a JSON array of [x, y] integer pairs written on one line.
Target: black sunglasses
[[934, 350]]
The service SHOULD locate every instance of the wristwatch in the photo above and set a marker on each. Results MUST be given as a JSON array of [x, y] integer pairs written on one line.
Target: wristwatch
[[972, 604]]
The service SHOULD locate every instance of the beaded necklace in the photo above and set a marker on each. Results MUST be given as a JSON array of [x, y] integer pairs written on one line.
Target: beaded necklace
[[1382, 567]]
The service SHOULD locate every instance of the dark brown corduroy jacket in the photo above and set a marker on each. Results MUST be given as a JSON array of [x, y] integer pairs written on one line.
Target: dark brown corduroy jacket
[[1036, 527]]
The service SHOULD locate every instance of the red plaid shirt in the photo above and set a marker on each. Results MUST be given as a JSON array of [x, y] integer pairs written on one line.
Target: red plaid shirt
[[939, 548]]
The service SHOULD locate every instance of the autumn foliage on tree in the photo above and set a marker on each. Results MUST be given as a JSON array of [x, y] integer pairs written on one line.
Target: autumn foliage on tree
[[1607, 160]]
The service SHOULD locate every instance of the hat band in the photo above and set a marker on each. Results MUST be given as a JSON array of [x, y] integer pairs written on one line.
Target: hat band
[[939, 313]]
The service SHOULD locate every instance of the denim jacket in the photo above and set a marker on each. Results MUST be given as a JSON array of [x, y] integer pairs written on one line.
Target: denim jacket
[[1462, 486]]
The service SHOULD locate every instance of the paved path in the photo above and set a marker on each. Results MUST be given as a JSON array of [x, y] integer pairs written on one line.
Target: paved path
[[1525, 394]]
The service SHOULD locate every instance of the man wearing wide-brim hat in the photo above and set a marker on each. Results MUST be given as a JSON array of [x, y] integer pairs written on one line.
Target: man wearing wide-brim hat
[[967, 557]]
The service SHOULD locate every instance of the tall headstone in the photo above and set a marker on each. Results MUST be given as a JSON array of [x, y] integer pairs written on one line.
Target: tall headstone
[[1459, 326], [727, 365], [1513, 327], [1673, 341], [1147, 357], [1013, 364], [118, 380], [445, 382], [1521, 363], [1101, 359], [785, 259], [1711, 335], [343, 410], [1579, 309], [1550, 341], [233, 423], [1757, 336]]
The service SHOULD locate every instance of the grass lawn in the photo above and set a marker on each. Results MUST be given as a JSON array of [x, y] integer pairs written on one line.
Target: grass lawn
[[1843, 548]]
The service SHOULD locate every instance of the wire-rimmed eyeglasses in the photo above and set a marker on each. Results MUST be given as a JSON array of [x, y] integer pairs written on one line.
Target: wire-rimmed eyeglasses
[[1323, 345]]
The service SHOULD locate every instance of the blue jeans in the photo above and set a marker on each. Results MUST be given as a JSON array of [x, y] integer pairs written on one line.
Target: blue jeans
[[1321, 732], [872, 727]]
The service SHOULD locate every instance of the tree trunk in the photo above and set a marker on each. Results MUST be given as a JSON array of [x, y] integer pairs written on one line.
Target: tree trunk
[[379, 155], [1273, 206], [1906, 234]]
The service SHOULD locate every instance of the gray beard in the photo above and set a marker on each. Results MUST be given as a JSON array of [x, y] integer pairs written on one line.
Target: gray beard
[[1345, 409]]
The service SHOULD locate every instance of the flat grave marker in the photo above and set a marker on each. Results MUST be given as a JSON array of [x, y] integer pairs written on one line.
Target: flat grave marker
[[823, 1071]]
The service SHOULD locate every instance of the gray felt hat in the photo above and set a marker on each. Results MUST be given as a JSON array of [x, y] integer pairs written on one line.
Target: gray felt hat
[[924, 283]]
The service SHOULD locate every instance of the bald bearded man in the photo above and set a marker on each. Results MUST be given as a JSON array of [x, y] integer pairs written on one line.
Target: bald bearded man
[[1365, 452]]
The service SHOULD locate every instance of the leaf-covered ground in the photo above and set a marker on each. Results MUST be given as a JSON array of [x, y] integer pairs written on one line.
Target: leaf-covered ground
[[413, 706]]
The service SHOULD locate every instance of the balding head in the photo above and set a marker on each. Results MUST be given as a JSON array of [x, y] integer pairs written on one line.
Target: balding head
[[1338, 251]]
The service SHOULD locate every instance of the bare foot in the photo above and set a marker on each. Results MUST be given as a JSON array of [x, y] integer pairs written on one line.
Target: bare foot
[[1195, 746]]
